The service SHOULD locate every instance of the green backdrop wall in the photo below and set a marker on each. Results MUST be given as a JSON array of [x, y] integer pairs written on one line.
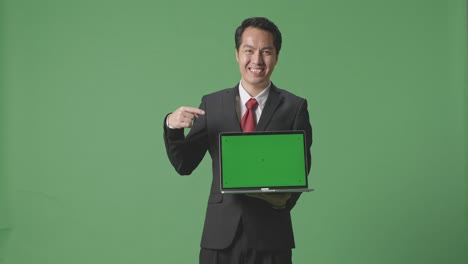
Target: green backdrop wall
[[85, 86]]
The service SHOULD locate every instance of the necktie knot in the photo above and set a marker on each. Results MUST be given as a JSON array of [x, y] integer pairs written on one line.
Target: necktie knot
[[251, 104], [248, 122]]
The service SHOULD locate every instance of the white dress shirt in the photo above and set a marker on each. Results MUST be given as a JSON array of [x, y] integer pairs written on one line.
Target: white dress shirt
[[244, 97]]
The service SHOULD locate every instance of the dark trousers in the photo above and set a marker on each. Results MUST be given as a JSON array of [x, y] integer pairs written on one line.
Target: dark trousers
[[240, 253]]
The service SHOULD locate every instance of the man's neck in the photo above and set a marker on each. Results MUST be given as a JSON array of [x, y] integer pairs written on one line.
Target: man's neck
[[254, 90]]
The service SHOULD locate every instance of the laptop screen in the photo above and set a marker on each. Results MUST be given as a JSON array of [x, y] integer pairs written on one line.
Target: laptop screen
[[263, 160]]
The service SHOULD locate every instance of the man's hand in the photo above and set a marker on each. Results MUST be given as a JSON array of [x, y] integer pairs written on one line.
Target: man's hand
[[275, 199], [183, 117]]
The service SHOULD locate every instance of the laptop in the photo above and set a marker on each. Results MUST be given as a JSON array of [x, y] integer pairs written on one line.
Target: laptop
[[263, 162]]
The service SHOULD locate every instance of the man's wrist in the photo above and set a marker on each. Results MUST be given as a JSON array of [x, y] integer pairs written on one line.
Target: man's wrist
[[167, 123]]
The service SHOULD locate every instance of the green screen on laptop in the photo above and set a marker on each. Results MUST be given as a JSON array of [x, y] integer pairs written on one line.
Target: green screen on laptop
[[265, 159]]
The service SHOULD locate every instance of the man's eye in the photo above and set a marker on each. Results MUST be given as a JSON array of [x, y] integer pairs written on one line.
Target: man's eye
[[248, 51], [267, 52]]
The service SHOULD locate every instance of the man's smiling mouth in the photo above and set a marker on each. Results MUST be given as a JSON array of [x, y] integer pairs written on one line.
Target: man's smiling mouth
[[256, 70]]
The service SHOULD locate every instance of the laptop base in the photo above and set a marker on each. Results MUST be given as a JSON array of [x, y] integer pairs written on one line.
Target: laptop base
[[265, 190]]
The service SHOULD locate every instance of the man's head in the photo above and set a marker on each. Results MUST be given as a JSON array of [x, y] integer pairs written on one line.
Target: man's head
[[258, 42], [260, 23]]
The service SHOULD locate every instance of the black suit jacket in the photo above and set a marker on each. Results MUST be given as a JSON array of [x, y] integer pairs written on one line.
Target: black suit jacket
[[266, 228]]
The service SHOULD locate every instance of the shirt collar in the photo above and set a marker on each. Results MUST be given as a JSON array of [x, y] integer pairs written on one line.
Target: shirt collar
[[261, 97]]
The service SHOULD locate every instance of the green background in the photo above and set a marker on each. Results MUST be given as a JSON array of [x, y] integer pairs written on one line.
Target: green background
[[85, 86]]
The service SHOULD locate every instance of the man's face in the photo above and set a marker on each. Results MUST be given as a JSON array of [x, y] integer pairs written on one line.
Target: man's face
[[256, 57]]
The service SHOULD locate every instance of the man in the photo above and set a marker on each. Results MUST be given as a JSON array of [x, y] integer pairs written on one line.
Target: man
[[238, 228]]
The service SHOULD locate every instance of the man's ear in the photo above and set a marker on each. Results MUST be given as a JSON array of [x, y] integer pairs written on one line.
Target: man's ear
[[237, 55]]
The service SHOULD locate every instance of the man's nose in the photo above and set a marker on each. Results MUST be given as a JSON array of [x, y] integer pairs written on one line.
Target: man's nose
[[257, 58]]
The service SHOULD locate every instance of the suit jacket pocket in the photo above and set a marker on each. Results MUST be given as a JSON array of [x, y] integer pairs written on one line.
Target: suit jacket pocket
[[215, 198]]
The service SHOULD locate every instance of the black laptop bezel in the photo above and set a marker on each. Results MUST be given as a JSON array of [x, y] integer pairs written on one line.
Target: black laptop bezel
[[264, 188]]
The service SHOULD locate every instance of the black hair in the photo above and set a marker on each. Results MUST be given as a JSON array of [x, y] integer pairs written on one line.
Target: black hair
[[261, 23]]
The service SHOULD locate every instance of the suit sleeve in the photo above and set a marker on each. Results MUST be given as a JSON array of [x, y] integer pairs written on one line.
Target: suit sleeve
[[186, 152], [301, 122]]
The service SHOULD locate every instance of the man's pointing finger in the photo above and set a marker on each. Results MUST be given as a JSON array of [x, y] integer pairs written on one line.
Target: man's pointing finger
[[193, 110]]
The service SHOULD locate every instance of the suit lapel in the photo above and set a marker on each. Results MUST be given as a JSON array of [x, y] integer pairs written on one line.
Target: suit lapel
[[229, 114], [272, 103]]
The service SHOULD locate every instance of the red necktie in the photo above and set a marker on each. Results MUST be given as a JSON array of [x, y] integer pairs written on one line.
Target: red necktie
[[248, 122]]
